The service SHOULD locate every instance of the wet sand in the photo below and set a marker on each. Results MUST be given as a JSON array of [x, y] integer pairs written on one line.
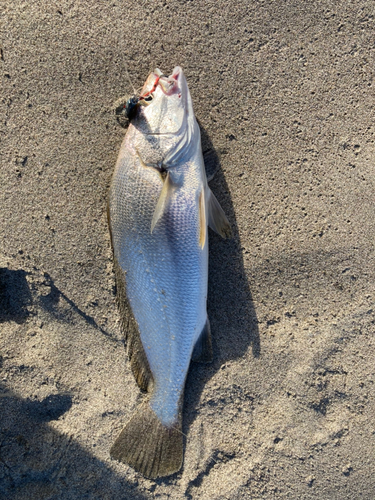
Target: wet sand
[[284, 95]]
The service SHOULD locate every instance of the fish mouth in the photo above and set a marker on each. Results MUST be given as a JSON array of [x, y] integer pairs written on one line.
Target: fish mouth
[[173, 82], [176, 73], [168, 84], [156, 89]]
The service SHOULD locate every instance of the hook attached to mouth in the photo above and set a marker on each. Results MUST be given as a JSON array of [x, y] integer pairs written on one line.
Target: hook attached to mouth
[[131, 107]]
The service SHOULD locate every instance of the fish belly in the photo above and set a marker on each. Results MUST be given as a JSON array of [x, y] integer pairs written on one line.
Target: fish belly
[[166, 275]]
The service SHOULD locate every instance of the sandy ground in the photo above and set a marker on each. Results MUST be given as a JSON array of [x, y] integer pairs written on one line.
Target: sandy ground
[[284, 93]]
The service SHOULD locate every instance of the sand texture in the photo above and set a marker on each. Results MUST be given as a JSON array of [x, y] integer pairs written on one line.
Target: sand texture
[[284, 92]]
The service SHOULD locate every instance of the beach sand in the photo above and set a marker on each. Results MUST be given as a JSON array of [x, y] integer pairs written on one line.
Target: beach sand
[[283, 91]]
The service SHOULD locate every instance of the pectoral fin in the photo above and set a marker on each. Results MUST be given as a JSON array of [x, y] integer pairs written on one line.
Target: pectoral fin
[[165, 194], [202, 220], [217, 219]]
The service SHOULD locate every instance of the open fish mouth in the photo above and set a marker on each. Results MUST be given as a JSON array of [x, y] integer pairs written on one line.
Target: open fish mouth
[[168, 84]]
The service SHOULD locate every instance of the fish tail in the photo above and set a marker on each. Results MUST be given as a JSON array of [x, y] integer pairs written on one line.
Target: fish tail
[[148, 446]]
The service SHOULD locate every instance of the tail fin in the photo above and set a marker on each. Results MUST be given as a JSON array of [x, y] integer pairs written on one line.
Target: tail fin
[[148, 446]]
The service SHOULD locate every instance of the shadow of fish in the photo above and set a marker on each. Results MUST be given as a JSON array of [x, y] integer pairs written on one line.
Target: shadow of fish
[[159, 208]]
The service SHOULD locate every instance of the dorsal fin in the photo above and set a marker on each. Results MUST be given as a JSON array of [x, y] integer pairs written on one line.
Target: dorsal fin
[[137, 356]]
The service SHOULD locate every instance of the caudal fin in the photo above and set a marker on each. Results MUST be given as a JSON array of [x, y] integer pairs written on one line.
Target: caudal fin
[[148, 446]]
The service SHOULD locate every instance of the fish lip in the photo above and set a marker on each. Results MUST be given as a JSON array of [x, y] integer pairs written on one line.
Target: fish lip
[[176, 73], [174, 82], [169, 85]]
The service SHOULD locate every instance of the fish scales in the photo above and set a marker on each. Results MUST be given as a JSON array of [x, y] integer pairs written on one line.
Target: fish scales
[[158, 213]]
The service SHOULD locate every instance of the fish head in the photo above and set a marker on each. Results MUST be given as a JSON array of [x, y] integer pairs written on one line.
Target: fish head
[[165, 103]]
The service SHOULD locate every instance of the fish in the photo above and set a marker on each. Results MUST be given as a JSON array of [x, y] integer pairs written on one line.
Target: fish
[[159, 209]]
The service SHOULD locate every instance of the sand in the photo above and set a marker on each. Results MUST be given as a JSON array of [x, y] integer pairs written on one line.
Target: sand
[[283, 91]]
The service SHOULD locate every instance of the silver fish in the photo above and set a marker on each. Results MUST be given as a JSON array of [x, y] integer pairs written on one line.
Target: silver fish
[[159, 208]]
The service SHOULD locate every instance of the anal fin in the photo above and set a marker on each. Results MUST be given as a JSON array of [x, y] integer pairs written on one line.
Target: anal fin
[[202, 352], [148, 446]]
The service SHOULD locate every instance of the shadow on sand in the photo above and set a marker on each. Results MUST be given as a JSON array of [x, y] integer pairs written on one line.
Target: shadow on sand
[[15, 295], [17, 299], [37, 462], [231, 310]]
